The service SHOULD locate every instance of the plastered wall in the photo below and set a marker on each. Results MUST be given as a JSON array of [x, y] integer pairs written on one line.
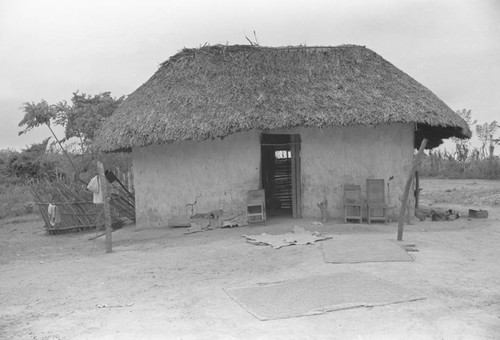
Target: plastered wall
[[215, 173], [218, 173], [336, 156]]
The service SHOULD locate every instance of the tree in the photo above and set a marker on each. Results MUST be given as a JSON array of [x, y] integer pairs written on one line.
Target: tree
[[31, 163], [5, 156], [41, 114], [81, 119], [462, 146], [486, 134], [84, 117]]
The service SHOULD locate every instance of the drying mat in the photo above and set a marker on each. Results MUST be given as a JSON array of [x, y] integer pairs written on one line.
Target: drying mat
[[362, 248], [318, 295], [298, 236]]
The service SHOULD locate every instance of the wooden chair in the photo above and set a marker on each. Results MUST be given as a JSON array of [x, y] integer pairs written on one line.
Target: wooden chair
[[352, 203], [375, 200], [256, 206]]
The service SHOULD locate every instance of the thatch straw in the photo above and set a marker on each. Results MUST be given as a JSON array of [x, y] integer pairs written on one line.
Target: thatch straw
[[215, 91]]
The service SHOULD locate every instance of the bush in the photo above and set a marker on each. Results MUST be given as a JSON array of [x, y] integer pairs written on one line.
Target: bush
[[445, 166], [16, 200]]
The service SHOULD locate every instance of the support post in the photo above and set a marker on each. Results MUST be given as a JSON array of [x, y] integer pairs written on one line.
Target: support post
[[105, 200], [417, 189], [404, 201], [130, 181]]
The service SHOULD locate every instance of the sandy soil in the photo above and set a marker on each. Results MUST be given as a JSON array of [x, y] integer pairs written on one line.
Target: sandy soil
[[162, 284]]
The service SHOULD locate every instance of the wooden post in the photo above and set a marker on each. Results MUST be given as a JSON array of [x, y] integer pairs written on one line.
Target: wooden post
[[296, 175], [417, 189], [130, 182], [404, 201], [105, 200], [323, 208], [124, 178]]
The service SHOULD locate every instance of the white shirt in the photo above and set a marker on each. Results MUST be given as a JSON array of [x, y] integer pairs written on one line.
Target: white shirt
[[95, 187]]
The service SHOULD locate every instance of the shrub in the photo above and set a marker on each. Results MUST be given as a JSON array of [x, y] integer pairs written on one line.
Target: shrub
[[15, 200], [444, 166]]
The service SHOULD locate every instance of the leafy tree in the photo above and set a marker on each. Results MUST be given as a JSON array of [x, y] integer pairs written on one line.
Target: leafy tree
[[85, 115], [81, 119], [462, 146], [5, 156], [486, 134], [31, 163], [37, 114]]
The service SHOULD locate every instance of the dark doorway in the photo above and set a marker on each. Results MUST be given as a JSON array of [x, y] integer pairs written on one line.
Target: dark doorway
[[281, 174]]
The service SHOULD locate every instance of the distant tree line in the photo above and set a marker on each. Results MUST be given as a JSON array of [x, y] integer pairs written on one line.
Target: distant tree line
[[466, 161]]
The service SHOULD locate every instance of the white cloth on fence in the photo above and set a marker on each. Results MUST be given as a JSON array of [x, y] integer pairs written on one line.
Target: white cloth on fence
[[54, 216], [95, 187]]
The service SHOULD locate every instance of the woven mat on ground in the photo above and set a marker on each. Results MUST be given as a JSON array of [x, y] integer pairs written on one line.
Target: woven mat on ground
[[318, 295], [362, 248], [298, 236]]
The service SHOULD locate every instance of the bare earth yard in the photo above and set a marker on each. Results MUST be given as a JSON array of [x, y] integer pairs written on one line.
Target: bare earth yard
[[162, 284]]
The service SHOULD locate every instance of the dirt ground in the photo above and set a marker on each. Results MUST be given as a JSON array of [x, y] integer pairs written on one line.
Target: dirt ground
[[162, 284]]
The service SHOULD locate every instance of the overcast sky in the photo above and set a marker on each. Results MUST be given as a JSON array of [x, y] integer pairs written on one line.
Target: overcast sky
[[49, 48]]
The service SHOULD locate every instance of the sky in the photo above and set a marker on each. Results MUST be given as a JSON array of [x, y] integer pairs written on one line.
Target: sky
[[52, 48]]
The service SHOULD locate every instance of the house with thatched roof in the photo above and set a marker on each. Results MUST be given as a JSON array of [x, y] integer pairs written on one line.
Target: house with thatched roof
[[300, 122]]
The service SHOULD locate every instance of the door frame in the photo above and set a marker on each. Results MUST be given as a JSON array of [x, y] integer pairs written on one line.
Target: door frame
[[294, 144], [296, 177]]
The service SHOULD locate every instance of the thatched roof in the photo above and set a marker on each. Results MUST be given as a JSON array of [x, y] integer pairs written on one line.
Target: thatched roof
[[215, 91]]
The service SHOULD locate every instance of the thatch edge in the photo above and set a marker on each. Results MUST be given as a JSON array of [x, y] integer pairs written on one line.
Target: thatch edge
[[122, 142]]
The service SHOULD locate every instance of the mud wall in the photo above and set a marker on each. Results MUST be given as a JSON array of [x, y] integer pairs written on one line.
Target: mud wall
[[218, 173], [333, 157], [215, 173]]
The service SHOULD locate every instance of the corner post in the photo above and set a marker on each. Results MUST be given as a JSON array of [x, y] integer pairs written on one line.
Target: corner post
[[404, 201], [106, 206]]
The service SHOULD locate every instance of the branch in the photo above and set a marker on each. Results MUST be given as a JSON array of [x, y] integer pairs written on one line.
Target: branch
[[65, 153]]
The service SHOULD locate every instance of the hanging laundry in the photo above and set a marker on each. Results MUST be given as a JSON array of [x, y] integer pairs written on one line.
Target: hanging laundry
[[95, 186], [54, 216]]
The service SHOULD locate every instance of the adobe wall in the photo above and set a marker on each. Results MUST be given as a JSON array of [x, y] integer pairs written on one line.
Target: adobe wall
[[350, 155], [215, 173], [218, 173]]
